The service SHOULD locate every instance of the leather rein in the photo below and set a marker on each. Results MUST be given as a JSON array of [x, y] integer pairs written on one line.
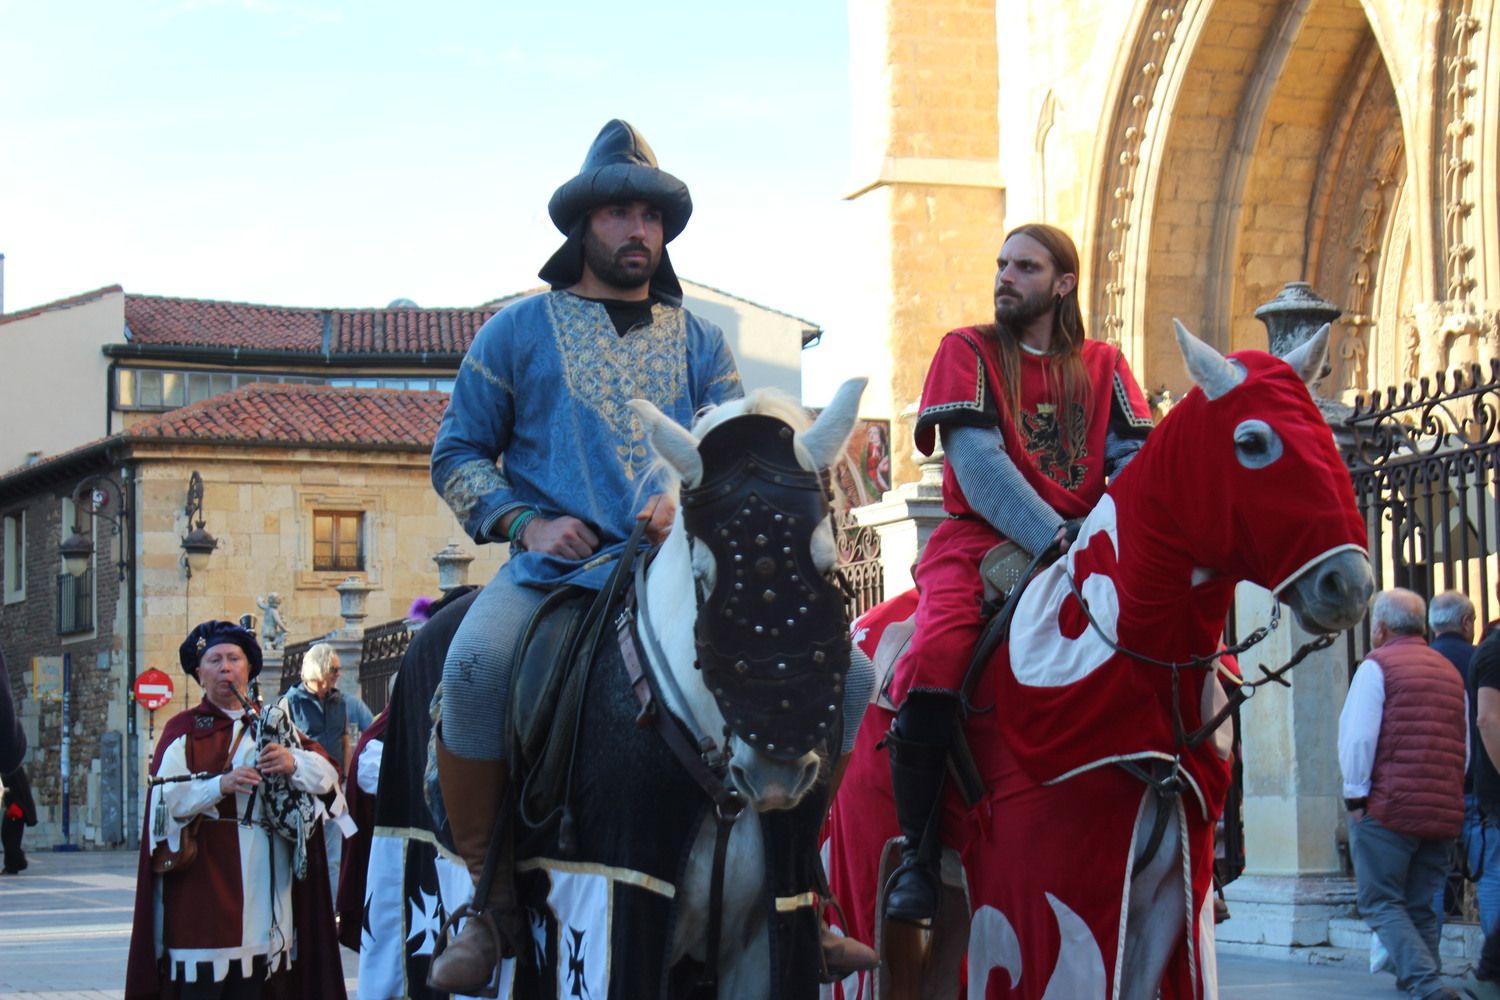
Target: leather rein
[[703, 759], [1242, 690]]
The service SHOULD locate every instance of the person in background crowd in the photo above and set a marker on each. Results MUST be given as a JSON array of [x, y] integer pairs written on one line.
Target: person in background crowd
[[1483, 982], [1450, 622], [1402, 749], [1451, 619], [365, 780], [17, 812], [323, 714]]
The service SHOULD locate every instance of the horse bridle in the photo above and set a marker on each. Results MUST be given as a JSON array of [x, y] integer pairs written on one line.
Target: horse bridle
[[1242, 690]]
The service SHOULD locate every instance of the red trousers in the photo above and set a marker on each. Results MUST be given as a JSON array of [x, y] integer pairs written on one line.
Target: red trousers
[[948, 607]]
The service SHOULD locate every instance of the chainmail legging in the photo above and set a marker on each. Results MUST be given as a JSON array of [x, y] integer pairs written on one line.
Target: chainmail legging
[[476, 673]]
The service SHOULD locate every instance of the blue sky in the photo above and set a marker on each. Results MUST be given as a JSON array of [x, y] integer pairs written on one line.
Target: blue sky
[[346, 154]]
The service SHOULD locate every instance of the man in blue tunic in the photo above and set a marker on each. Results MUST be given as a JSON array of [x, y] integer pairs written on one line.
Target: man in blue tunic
[[544, 388]]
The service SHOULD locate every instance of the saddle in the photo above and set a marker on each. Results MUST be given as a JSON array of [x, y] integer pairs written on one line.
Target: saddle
[[547, 685], [1005, 569], [551, 675]]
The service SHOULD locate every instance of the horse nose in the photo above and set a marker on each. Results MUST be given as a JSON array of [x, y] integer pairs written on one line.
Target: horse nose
[[1346, 581], [1342, 588]]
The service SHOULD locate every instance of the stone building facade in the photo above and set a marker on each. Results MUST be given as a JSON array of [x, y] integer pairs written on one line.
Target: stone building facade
[[1202, 153]]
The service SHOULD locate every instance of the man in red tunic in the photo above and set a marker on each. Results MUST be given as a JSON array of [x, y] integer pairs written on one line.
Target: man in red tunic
[[1033, 417], [231, 921]]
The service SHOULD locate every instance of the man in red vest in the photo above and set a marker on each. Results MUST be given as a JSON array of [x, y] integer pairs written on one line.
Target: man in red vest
[[1403, 746]]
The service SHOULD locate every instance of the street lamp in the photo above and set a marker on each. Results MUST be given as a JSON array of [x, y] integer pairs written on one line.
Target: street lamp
[[78, 550], [197, 544]]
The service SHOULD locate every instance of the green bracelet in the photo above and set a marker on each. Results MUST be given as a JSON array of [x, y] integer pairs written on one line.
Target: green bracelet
[[518, 525]]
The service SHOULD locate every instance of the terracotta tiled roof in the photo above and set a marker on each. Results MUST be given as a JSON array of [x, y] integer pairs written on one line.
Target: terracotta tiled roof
[[164, 321], [406, 330], [313, 416]]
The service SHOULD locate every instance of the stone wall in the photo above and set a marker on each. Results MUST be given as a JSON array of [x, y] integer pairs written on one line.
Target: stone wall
[[99, 672]]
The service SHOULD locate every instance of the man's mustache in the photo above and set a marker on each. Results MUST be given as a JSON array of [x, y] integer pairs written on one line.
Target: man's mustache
[[633, 248]]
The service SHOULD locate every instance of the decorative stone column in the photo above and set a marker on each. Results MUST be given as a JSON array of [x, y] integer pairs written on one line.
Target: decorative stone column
[[453, 567], [348, 641], [1296, 877]]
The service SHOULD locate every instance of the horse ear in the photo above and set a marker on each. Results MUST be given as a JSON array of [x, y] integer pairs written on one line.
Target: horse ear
[[677, 447], [1308, 359], [1212, 372], [825, 439]]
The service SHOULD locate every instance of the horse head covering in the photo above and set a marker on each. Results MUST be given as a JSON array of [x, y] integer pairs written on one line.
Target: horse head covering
[[771, 637], [619, 166], [215, 633]]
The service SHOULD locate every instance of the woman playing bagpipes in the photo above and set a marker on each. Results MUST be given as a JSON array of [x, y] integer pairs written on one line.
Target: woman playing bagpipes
[[232, 895]]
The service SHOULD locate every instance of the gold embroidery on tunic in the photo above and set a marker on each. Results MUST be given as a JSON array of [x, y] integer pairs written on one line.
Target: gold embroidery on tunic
[[470, 483], [479, 368], [603, 371]]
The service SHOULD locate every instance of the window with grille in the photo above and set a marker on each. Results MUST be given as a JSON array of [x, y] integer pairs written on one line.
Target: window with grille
[[15, 557], [338, 540], [75, 603]]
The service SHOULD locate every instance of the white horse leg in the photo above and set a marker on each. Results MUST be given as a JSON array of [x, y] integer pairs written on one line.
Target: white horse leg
[[744, 942], [1156, 912]]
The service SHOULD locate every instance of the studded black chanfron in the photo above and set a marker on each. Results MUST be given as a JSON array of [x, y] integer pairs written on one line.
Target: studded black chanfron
[[772, 640]]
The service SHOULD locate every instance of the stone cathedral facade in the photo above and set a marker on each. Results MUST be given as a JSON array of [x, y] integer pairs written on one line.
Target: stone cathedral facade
[[1203, 153]]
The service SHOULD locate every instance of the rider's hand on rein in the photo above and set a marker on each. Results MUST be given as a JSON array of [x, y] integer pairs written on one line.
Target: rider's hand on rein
[[564, 536], [658, 514]]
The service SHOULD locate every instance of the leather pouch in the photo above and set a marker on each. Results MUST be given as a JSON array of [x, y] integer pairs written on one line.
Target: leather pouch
[[165, 860]]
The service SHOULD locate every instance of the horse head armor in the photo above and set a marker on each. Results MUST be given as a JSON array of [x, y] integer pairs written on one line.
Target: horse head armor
[[770, 635]]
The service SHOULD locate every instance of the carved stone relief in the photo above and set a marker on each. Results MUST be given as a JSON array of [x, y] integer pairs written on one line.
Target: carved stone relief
[[1116, 211]]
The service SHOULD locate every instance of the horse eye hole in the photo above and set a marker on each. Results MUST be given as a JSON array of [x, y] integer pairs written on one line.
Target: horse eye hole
[[1256, 444]]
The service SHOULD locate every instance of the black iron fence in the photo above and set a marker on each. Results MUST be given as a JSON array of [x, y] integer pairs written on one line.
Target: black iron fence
[[859, 561], [379, 659], [1424, 461]]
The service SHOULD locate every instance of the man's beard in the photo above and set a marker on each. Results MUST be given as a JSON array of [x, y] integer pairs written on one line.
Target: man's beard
[[1014, 314], [608, 267]]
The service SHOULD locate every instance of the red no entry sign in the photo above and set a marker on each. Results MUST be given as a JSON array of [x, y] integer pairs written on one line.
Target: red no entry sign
[[153, 689]]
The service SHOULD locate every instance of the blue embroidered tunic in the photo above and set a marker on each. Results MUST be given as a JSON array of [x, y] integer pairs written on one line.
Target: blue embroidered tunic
[[545, 385]]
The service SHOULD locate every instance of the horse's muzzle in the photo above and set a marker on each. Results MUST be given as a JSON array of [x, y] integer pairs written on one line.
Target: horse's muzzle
[[1333, 594]]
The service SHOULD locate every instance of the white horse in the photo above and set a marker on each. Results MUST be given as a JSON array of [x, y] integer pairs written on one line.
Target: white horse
[[682, 570]]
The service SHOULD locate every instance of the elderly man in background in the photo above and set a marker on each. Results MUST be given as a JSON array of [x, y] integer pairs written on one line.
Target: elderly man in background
[[1450, 620], [324, 714], [1402, 748]]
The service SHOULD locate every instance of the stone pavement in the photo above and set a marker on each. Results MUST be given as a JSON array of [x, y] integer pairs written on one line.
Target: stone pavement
[[65, 927]]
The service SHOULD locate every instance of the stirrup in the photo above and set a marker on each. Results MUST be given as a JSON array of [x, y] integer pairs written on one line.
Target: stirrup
[[915, 867], [484, 921]]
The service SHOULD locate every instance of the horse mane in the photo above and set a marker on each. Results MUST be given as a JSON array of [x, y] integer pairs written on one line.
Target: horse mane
[[767, 402]]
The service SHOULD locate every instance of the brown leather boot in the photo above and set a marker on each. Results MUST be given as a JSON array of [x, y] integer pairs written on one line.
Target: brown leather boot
[[473, 793]]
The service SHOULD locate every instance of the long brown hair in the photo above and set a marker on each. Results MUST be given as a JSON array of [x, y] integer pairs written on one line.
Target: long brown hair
[[1067, 381]]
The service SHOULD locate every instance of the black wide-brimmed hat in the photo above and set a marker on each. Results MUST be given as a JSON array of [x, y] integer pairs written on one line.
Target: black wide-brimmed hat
[[618, 167], [215, 633]]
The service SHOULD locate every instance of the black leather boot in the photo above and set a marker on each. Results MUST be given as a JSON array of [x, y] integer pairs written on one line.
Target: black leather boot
[[919, 740]]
